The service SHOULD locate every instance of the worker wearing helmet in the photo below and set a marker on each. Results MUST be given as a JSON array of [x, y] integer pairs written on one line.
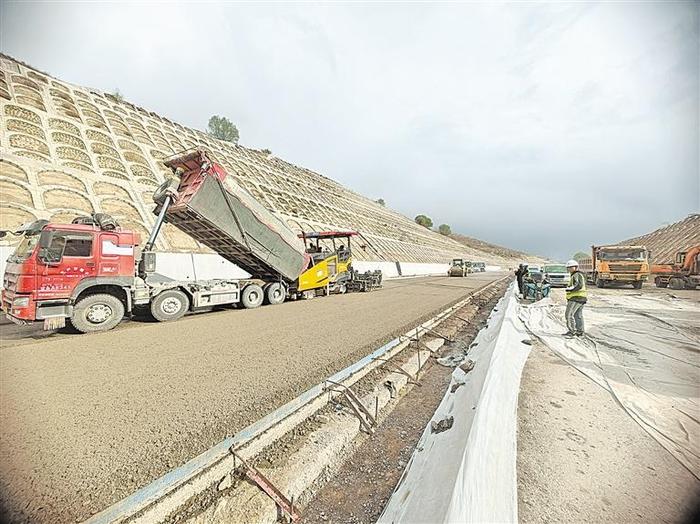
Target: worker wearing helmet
[[519, 277], [575, 300]]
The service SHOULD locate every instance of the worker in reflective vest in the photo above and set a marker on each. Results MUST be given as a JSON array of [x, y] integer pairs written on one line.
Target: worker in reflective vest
[[575, 300]]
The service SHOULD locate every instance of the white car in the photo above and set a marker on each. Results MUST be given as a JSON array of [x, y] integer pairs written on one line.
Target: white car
[[556, 275]]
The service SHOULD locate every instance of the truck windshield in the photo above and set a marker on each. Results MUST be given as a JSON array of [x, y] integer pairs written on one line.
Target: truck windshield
[[622, 254], [25, 249], [555, 269]]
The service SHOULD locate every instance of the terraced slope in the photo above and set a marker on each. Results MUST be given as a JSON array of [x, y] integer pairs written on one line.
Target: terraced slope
[[665, 242], [68, 150]]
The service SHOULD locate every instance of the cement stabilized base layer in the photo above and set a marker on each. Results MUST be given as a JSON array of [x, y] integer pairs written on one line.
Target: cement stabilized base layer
[[89, 419]]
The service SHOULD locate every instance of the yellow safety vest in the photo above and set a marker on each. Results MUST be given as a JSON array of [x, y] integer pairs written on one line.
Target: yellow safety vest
[[581, 292]]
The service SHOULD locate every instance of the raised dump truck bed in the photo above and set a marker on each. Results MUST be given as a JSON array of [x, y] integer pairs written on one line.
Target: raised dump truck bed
[[214, 210]]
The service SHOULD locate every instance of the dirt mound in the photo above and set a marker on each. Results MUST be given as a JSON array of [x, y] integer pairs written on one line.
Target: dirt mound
[[665, 242]]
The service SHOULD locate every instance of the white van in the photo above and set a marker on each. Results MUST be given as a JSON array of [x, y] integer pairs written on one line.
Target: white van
[[556, 275]]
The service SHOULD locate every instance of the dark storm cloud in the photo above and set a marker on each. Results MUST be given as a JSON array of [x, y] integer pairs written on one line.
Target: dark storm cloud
[[544, 127]]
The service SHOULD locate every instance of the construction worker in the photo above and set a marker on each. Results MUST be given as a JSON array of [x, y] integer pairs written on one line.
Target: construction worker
[[519, 274], [575, 300]]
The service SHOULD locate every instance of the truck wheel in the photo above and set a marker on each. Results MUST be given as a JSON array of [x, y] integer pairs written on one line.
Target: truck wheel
[[676, 283], [275, 293], [252, 296], [660, 282], [637, 285], [97, 313], [169, 305], [600, 283]]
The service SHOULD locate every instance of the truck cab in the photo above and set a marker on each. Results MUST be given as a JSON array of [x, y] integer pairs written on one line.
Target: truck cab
[[56, 265], [613, 265]]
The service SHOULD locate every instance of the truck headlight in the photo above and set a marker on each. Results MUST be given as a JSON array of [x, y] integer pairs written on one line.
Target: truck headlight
[[20, 302]]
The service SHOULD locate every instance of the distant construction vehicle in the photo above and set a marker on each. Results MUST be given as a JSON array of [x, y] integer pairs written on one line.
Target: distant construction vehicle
[[459, 268], [91, 272], [616, 265], [684, 274]]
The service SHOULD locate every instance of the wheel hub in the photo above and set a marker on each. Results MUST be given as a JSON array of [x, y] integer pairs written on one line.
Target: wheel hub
[[98, 313], [170, 306]]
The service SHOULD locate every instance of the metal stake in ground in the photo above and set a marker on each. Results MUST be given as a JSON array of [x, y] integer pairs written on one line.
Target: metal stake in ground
[[268, 487], [367, 421]]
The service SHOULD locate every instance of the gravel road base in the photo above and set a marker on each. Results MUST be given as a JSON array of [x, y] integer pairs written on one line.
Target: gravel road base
[[88, 419]]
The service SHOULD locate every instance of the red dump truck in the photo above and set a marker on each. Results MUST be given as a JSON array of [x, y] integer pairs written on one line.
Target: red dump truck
[[91, 272]]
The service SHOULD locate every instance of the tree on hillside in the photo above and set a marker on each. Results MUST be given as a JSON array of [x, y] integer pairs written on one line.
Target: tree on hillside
[[380, 201], [222, 128], [424, 221], [445, 229], [580, 256], [118, 95]]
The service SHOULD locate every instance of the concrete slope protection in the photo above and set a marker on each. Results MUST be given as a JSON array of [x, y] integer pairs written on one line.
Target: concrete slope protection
[[87, 420], [645, 350], [68, 150], [463, 468]]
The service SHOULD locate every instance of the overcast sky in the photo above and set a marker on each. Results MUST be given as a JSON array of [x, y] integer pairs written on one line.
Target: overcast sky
[[544, 127]]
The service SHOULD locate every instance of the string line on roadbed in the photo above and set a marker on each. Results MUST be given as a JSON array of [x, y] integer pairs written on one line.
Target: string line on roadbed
[[162, 489]]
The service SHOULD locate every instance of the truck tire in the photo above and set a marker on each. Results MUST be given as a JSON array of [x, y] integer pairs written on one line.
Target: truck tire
[[252, 296], [660, 282], [169, 305], [637, 284], [97, 313], [275, 293], [676, 283], [600, 283]]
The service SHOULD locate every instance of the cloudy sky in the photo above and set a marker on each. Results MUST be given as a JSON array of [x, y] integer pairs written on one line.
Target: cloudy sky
[[544, 127]]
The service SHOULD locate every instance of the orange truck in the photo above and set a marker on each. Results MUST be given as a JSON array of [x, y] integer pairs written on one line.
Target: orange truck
[[616, 265], [684, 274]]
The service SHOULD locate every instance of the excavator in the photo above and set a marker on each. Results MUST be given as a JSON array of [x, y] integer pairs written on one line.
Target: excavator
[[683, 274]]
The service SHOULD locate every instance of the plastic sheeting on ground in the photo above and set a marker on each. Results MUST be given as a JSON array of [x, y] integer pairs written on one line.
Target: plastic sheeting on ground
[[467, 473], [645, 350]]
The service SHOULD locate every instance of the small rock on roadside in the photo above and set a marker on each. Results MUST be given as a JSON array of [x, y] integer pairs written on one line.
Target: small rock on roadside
[[456, 386], [441, 425], [467, 366]]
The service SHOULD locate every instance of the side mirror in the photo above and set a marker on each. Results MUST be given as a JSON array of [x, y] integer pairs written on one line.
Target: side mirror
[[46, 238]]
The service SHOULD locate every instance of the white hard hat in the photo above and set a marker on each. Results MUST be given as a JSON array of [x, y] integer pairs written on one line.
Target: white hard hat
[[572, 263]]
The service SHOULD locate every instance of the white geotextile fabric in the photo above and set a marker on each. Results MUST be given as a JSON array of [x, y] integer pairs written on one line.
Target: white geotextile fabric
[[467, 473], [645, 350]]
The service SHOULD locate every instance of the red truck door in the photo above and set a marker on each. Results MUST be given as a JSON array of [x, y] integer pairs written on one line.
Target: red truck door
[[57, 280], [116, 255]]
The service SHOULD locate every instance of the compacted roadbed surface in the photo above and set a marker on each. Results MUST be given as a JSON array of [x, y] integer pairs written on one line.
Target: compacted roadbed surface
[[88, 419]]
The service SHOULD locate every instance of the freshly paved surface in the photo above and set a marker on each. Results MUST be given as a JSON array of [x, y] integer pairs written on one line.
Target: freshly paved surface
[[87, 419]]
